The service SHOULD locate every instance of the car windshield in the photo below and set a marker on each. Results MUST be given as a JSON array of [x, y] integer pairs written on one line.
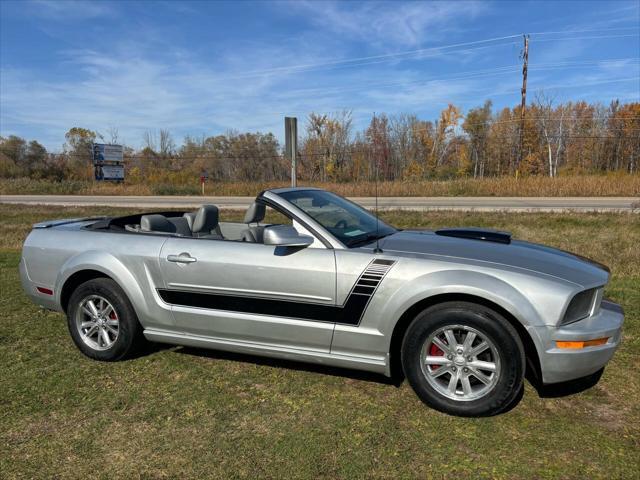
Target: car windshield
[[348, 222]]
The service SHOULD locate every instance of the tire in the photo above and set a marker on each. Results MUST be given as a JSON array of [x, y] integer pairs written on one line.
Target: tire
[[494, 370], [116, 318]]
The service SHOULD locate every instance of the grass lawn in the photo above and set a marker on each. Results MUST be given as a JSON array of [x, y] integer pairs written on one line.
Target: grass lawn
[[182, 412]]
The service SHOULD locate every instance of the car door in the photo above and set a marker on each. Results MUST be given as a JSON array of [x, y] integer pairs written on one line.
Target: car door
[[250, 292]]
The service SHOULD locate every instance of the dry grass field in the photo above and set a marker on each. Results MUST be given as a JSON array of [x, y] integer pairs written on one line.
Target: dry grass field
[[613, 185], [188, 413]]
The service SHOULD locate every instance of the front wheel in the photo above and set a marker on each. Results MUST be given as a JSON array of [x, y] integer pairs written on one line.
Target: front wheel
[[463, 359]]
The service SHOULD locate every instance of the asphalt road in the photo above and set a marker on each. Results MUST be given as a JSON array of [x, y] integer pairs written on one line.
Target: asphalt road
[[518, 204]]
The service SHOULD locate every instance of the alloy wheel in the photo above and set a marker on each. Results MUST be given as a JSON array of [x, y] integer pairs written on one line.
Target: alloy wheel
[[460, 362], [97, 322]]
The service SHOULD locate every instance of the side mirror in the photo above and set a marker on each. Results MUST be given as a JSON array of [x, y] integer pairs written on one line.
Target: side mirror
[[285, 236]]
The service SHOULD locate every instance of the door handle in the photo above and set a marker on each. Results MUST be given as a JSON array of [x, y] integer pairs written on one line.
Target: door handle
[[184, 257]]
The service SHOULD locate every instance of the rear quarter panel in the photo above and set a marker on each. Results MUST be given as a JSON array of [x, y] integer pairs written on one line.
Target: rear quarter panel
[[50, 256]]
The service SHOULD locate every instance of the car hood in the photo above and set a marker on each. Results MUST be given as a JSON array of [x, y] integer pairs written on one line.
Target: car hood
[[517, 253]]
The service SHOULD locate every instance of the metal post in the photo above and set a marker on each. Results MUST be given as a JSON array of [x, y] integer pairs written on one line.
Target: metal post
[[291, 144]]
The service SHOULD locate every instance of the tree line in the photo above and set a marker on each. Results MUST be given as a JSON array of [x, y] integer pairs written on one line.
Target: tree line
[[549, 139]]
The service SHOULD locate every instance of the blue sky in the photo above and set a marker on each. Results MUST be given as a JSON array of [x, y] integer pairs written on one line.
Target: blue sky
[[202, 68]]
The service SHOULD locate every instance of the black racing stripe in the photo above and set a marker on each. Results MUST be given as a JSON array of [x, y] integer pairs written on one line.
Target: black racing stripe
[[364, 289], [349, 313], [260, 306]]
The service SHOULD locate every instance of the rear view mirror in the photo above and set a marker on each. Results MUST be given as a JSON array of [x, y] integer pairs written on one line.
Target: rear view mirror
[[285, 236], [318, 202]]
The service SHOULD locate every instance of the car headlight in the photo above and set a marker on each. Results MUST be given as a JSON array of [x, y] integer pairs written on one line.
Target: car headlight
[[582, 305]]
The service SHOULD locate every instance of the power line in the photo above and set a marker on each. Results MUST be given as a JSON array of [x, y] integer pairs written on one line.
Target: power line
[[457, 76], [378, 57], [365, 60], [586, 38], [557, 32]]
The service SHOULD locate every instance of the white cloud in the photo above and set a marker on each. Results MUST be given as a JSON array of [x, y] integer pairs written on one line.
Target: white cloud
[[69, 10], [410, 24], [136, 91]]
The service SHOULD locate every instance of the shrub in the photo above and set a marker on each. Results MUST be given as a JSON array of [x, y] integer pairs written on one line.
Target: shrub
[[171, 189]]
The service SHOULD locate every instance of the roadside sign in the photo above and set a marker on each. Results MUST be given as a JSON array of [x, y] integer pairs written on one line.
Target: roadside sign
[[107, 153], [108, 161], [109, 172]]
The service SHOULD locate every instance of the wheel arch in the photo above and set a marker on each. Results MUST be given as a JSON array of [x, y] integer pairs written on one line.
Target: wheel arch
[[75, 280], [401, 326], [98, 264]]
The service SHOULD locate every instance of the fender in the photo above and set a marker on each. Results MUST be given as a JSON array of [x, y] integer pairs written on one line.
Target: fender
[[373, 336], [483, 285], [149, 309], [466, 282]]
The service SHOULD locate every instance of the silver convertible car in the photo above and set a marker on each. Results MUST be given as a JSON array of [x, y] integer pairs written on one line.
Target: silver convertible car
[[311, 276]]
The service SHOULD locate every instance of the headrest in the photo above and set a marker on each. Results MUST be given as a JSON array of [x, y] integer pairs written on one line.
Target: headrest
[[156, 223], [206, 219], [255, 213], [182, 225], [190, 216]]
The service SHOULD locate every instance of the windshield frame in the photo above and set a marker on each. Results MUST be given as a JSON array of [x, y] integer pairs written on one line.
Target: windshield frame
[[381, 230]]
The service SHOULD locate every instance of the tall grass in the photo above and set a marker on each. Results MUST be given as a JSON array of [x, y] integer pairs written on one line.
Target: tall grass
[[570, 186]]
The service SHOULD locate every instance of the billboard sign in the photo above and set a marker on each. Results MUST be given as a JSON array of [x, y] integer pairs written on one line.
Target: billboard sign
[[107, 153], [108, 161], [109, 172]]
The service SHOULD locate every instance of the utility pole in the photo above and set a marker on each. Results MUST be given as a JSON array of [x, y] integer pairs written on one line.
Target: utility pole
[[291, 144], [523, 105]]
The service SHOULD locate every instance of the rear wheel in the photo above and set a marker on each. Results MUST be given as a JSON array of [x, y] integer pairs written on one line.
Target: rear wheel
[[102, 322], [463, 359]]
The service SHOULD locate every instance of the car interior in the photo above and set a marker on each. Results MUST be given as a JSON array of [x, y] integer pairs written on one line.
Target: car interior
[[205, 223]]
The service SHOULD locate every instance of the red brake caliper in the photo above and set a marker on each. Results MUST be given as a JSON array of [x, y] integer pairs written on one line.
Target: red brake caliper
[[435, 351]]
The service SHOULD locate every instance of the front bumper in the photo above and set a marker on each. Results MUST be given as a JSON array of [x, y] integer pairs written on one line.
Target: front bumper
[[560, 364]]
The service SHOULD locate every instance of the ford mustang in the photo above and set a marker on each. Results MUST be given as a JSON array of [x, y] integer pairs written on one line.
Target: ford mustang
[[311, 276]]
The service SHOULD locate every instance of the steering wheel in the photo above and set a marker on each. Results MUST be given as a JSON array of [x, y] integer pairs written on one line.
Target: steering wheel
[[342, 224]]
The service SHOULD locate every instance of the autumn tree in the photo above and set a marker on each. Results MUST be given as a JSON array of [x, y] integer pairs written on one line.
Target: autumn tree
[[477, 125], [445, 131], [551, 124], [78, 151], [12, 150], [325, 147], [13, 147], [624, 125], [379, 146]]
